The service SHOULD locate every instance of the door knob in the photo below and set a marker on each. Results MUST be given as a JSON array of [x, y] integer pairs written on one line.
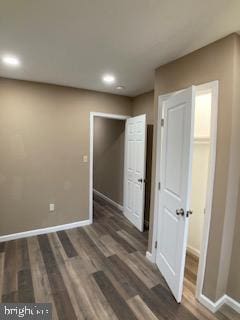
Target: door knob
[[188, 213], [140, 180], [180, 212]]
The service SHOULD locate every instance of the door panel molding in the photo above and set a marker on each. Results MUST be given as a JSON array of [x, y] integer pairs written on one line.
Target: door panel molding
[[175, 171], [134, 170]]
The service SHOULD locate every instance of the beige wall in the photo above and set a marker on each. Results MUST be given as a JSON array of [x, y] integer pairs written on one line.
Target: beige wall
[[44, 132], [108, 160], [234, 274], [143, 104], [214, 62]]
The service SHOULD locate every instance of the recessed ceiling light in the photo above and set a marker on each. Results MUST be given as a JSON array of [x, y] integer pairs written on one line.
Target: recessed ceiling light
[[108, 78], [120, 87], [11, 60]]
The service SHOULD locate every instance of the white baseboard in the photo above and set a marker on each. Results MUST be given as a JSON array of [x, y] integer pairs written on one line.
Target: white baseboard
[[210, 305], [113, 203], [235, 305], [193, 251], [215, 306], [37, 232], [149, 256]]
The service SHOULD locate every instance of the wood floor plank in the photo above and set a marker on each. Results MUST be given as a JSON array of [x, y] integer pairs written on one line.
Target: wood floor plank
[[177, 310], [2, 247], [139, 246], [140, 309], [117, 303], [149, 269], [42, 289], [113, 246], [228, 312], [87, 261], [93, 303], [155, 302], [93, 235], [191, 268], [149, 278], [120, 276], [124, 225], [22, 254], [25, 287], [125, 244], [2, 255], [69, 282], [93, 252], [67, 244], [10, 281], [60, 294], [25, 284]]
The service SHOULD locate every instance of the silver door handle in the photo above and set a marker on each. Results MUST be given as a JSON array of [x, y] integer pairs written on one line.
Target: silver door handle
[[180, 212]]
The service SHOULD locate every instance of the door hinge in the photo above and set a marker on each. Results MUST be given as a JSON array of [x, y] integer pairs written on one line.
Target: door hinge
[[159, 185], [155, 244], [162, 122]]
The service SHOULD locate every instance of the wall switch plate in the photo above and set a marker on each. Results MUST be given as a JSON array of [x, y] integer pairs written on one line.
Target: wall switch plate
[[51, 207], [85, 158]]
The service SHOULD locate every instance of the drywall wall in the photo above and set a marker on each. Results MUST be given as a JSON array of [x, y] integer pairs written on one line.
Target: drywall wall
[[213, 62], [144, 104], [44, 133], [198, 198], [108, 157], [233, 288]]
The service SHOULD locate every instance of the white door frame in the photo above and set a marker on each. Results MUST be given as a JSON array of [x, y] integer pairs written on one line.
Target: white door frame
[[92, 115], [213, 86]]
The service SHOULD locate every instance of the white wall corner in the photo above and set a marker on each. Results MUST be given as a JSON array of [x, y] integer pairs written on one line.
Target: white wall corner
[[210, 305], [215, 306]]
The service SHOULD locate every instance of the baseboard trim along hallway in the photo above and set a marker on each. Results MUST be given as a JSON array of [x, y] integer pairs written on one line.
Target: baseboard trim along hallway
[[113, 203], [36, 232]]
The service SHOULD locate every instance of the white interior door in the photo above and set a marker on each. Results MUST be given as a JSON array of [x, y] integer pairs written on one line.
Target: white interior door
[[134, 180], [175, 175]]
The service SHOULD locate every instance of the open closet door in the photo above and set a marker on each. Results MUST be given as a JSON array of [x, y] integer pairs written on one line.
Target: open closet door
[[175, 175], [134, 172]]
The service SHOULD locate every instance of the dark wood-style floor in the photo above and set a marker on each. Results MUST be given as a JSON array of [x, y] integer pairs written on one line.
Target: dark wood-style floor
[[95, 272], [191, 268]]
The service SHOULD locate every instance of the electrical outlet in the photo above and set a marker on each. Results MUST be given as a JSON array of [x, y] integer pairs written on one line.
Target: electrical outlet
[[85, 158], [51, 207]]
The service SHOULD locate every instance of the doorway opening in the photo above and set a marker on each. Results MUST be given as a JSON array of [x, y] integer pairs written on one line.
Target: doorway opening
[[118, 165], [107, 146], [199, 185], [108, 161], [186, 154]]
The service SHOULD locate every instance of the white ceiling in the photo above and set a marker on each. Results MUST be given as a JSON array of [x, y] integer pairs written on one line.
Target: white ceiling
[[73, 42]]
